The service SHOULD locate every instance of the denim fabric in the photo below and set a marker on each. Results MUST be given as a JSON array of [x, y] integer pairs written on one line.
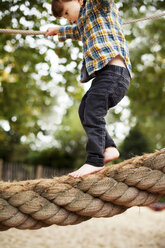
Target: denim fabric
[[107, 90]]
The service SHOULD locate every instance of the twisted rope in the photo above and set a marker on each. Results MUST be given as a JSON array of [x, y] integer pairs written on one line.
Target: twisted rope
[[24, 32], [145, 18], [33, 204], [32, 32]]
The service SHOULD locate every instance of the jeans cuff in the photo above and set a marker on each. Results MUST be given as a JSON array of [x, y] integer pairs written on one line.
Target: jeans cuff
[[97, 163], [111, 144]]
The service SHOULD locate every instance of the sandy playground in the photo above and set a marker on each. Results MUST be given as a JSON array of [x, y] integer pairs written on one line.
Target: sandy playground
[[136, 228]]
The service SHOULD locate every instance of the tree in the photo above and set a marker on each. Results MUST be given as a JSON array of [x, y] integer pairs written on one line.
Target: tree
[[147, 49], [26, 73], [135, 143]]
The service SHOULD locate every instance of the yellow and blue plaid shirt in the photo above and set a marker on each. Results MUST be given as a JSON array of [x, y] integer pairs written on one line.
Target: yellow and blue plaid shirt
[[100, 30]]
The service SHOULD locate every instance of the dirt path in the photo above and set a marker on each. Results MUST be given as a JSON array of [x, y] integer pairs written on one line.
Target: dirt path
[[136, 228]]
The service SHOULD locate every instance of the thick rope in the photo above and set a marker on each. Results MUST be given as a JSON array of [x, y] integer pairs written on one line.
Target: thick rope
[[32, 32], [33, 204]]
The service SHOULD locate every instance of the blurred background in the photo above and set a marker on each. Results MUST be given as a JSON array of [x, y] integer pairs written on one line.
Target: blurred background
[[40, 92]]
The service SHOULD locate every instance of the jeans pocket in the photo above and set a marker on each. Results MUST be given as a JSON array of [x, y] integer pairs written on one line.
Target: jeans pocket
[[117, 96]]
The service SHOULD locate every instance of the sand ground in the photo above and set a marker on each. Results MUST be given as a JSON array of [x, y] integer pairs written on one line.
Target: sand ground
[[136, 228]]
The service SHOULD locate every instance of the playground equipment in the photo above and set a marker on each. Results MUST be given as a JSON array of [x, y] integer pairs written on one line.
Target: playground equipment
[[32, 204]]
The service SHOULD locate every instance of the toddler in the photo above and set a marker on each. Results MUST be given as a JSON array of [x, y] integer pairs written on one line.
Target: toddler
[[105, 60]]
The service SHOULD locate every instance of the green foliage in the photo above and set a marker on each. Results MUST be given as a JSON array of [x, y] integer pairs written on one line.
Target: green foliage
[[70, 152], [147, 51], [52, 157], [162, 200], [147, 92], [22, 101], [10, 148], [134, 144], [24, 93], [71, 137]]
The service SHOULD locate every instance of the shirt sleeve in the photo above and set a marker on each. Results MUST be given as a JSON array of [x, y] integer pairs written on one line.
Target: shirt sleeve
[[69, 32]]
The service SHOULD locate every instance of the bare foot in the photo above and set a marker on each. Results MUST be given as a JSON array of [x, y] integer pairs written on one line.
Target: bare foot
[[86, 169], [111, 153]]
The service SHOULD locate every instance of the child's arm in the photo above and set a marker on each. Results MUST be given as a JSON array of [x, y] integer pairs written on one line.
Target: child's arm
[[64, 32]]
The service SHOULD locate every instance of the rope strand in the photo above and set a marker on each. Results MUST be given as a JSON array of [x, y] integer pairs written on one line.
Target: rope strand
[[32, 32]]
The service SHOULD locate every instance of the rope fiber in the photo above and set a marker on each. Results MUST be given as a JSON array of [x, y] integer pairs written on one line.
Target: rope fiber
[[33, 204], [32, 32]]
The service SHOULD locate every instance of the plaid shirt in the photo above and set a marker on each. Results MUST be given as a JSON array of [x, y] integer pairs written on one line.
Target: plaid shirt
[[100, 29]]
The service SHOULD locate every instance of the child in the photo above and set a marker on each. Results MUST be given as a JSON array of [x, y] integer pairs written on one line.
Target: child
[[106, 59]]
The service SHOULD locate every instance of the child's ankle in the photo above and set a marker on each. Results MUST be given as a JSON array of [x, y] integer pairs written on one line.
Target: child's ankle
[[111, 153]]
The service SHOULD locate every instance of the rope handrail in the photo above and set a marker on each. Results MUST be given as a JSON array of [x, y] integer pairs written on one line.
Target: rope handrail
[[145, 18], [33, 32], [32, 204]]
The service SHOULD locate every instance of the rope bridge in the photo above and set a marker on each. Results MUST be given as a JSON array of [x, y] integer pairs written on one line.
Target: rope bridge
[[32, 32], [33, 204]]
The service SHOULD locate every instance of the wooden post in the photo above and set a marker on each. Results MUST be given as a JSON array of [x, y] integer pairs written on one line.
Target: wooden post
[[1, 168], [39, 172]]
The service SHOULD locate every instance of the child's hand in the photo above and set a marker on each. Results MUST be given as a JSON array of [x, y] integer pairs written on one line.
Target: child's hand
[[52, 31]]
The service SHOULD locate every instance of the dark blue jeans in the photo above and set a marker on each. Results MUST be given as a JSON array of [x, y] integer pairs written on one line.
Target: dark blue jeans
[[107, 89]]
